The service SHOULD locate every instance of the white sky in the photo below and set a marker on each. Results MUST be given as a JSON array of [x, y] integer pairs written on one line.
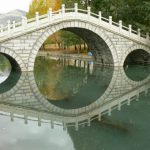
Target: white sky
[[9, 5]]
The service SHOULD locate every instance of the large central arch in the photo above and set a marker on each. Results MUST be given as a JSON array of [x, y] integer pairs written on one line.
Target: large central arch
[[75, 27]]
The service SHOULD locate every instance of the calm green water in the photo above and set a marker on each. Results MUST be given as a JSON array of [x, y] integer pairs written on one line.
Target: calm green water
[[70, 86]]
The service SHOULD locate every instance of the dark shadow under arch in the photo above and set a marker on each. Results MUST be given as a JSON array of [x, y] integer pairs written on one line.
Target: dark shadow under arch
[[96, 44], [13, 77], [137, 65]]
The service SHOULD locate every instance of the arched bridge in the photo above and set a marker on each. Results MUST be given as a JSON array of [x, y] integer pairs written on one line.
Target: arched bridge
[[111, 42]]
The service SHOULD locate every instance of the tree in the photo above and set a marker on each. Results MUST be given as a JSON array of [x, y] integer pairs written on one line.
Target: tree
[[135, 12], [42, 7]]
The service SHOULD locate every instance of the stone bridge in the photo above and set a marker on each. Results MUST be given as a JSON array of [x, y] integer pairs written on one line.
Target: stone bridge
[[25, 101], [111, 42]]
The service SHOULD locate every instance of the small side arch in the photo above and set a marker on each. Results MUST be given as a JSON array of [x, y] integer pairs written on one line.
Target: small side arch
[[133, 48], [13, 56]]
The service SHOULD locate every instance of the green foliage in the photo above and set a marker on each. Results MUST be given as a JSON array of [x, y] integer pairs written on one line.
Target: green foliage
[[70, 3], [135, 12], [69, 38], [42, 7], [4, 63]]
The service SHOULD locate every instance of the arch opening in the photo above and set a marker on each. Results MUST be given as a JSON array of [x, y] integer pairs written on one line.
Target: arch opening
[[10, 72], [137, 65], [65, 80], [95, 44]]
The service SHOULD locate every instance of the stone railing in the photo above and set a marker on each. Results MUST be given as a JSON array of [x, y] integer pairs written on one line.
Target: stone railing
[[27, 25]]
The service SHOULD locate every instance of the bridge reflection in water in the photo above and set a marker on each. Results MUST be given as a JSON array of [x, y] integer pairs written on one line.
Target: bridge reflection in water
[[76, 93]]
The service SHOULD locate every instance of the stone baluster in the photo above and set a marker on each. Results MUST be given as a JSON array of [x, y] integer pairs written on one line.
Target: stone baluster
[[76, 9], [64, 126], [130, 29], [59, 11], [39, 122], [89, 121], [109, 111], [25, 119], [120, 25], [63, 10], [89, 11], [119, 106], [100, 15], [76, 126], [37, 18], [147, 36], [50, 14], [99, 116], [24, 23], [14, 25], [137, 97], [1, 28], [110, 20], [139, 33], [129, 101], [8, 26], [11, 116], [52, 124]]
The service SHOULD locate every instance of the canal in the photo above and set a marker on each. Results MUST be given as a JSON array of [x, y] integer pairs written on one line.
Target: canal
[[78, 85]]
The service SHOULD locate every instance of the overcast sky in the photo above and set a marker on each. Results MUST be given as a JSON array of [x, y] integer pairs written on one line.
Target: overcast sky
[[9, 5]]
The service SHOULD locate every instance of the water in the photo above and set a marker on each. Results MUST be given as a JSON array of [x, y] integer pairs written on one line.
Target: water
[[59, 108]]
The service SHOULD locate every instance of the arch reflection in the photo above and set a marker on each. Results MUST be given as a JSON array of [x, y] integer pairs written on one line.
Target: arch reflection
[[71, 84], [28, 103]]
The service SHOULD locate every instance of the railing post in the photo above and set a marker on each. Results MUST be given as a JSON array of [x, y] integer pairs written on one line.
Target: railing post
[[120, 25], [100, 15], [89, 11], [39, 122], [109, 111], [25, 119], [76, 126], [139, 33], [129, 101], [8, 26], [130, 29], [99, 116], [49, 14], [110, 20], [147, 36], [37, 18], [119, 106], [52, 124], [63, 10], [1, 28], [14, 25], [89, 122], [24, 22], [59, 11], [76, 8], [11, 116], [64, 126]]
